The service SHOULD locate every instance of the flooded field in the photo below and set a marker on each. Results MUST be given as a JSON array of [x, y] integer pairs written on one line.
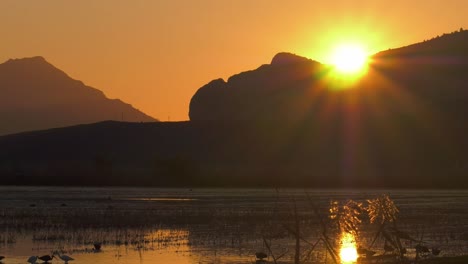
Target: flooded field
[[150, 225]]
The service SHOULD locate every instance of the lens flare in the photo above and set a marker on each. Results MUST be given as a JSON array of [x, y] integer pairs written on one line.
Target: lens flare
[[348, 251], [349, 59]]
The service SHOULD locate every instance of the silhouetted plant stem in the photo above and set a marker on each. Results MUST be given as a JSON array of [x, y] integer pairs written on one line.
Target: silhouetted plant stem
[[298, 238], [267, 245], [379, 231], [324, 228]]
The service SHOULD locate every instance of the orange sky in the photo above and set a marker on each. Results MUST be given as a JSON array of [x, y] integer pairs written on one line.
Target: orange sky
[[154, 54]]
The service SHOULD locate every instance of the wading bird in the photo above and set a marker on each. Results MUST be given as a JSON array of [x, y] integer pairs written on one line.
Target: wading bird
[[32, 259], [46, 258], [65, 257]]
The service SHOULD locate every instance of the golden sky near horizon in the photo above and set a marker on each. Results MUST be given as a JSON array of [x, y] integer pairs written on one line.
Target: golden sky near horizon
[[155, 54]]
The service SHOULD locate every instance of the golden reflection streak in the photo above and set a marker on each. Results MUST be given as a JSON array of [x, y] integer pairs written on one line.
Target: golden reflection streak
[[348, 250]]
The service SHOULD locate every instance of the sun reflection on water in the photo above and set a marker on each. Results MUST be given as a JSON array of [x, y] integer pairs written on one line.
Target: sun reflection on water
[[348, 250]]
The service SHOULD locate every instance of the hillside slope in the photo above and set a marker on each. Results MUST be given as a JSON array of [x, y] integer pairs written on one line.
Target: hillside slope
[[36, 95]]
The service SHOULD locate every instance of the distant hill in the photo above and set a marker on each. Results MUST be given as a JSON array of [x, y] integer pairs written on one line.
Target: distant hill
[[233, 154], [35, 95], [290, 123]]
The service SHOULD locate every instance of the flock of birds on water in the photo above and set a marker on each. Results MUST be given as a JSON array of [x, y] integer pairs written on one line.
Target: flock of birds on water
[[47, 258]]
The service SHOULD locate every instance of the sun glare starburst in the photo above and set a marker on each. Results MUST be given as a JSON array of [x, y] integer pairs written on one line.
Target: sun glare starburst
[[349, 59]]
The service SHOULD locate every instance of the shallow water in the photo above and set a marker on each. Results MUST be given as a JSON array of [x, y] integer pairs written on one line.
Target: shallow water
[[154, 225]]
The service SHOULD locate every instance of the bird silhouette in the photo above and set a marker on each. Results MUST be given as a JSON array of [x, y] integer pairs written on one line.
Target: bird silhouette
[[32, 259], [66, 258], [46, 258], [97, 246], [261, 255]]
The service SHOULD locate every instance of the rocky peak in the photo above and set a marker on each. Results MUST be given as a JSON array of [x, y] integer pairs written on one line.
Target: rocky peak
[[288, 58]]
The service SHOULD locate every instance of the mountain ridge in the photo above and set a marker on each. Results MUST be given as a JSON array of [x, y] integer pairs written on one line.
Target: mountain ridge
[[421, 69], [37, 95]]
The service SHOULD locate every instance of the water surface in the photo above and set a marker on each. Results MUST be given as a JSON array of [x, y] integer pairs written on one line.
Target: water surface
[[155, 225]]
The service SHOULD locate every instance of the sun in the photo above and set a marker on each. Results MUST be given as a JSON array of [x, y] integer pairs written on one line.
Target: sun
[[349, 58]]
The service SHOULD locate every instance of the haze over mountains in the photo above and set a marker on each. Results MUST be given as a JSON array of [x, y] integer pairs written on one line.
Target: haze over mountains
[[291, 123], [36, 95]]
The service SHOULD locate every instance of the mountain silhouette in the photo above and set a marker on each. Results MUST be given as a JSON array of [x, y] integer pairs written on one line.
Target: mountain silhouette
[[291, 123], [432, 73], [36, 95], [271, 92]]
